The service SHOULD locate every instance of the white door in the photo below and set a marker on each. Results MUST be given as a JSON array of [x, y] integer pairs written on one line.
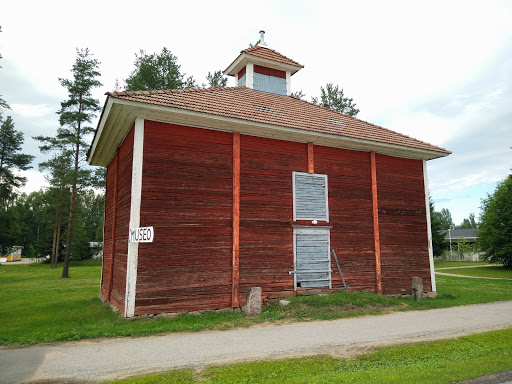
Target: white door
[[312, 259]]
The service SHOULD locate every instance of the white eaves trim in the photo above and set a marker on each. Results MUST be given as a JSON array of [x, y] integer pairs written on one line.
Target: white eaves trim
[[246, 127], [101, 125]]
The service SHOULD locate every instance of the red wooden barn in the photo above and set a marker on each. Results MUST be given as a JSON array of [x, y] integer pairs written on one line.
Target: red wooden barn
[[251, 187]]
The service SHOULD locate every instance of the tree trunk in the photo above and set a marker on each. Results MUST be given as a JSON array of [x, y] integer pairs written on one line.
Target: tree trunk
[[65, 269], [59, 231], [52, 260]]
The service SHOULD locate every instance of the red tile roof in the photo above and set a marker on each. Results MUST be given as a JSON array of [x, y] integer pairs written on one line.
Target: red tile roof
[[270, 54], [267, 108]]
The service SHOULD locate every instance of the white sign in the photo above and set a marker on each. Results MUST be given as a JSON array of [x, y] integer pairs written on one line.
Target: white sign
[[142, 235]]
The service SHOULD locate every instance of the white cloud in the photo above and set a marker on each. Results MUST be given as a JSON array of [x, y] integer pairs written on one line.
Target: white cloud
[[32, 110], [35, 181], [438, 71]]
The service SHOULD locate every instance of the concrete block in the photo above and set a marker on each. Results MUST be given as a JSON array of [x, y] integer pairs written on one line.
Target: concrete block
[[284, 303], [253, 301], [417, 288]]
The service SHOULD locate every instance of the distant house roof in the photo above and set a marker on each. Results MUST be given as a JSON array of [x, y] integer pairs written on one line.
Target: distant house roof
[[457, 234]]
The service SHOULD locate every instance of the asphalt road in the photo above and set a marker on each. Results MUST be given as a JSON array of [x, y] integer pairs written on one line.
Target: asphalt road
[[115, 358]]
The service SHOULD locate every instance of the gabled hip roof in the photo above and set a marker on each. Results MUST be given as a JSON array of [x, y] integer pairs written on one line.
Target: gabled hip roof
[[258, 113]]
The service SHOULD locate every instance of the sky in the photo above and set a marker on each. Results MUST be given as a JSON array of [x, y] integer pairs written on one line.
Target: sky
[[439, 71]]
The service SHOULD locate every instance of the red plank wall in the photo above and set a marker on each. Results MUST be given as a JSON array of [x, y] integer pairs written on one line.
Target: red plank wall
[[123, 157], [403, 223], [266, 213], [350, 214], [187, 198], [107, 233]]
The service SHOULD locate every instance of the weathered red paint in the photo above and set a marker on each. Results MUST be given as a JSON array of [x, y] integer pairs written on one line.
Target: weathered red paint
[[189, 193], [114, 216], [402, 223], [187, 196], [269, 71], [117, 215], [375, 210], [241, 73], [236, 220], [350, 215], [266, 214], [311, 158]]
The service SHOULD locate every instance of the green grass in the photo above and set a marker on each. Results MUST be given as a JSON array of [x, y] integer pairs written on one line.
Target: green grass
[[497, 272], [448, 264], [444, 361], [39, 307]]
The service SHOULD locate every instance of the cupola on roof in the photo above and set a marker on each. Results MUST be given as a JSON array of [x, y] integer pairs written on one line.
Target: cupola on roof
[[263, 69]]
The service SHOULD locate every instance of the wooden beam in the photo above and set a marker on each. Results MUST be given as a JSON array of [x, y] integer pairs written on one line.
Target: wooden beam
[[375, 206], [429, 230], [113, 230], [311, 159], [236, 221]]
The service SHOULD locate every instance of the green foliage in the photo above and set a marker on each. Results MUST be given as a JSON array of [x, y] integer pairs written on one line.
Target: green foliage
[[77, 111], [251, 45], [40, 218], [334, 98], [468, 223], [444, 218], [299, 94], [446, 264], [444, 361], [11, 230], [49, 309], [73, 136], [463, 246], [34, 215], [497, 272], [495, 235], [80, 249], [216, 80], [11, 160], [92, 207], [436, 226], [157, 71]]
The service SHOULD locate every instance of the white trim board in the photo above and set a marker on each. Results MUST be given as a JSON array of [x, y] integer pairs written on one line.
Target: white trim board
[[133, 248], [429, 229]]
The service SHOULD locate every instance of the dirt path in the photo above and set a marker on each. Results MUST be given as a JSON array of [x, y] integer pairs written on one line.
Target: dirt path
[[468, 266], [115, 358], [472, 277]]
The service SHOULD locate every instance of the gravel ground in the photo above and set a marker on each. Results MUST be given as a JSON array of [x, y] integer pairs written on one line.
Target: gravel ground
[[95, 360]]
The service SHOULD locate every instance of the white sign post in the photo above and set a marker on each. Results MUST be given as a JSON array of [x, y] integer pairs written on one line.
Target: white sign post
[[142, 235]]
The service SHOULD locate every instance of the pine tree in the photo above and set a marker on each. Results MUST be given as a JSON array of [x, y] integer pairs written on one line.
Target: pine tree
[[75, 113], [216, 80], [334, 98], [60, 178], [11, 160], [157, 71]]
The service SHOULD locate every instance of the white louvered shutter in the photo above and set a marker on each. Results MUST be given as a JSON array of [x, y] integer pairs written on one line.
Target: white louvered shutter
[[310, 200]]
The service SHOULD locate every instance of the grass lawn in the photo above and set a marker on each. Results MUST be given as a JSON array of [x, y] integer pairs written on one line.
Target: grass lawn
[[498, 272], [444, 361], [448, 264], [39, 307]]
